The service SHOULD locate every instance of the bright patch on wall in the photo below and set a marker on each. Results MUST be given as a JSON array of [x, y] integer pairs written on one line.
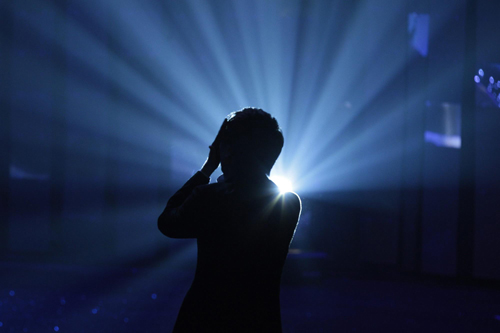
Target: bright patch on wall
[[443, 127], [418, 28]]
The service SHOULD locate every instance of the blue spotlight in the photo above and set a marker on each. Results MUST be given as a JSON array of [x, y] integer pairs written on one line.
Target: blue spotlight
[[283, 184]]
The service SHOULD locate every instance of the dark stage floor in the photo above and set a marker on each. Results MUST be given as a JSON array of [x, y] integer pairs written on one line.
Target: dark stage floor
[[145, 298]]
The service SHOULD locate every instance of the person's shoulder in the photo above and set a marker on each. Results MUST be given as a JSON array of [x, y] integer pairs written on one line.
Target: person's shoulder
[[291, 201], [291, 208], [212, 189], [291, 197], [207, 188]]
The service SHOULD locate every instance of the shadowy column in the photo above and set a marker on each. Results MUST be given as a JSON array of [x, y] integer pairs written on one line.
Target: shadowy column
[[5, 124], [58, 140], [417, 80], [465, 234]]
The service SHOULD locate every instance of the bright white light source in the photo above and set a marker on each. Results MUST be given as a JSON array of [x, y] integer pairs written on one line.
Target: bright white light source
[[283, 184]]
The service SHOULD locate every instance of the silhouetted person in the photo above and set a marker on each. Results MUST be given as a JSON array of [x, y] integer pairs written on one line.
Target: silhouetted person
[[243, 227]]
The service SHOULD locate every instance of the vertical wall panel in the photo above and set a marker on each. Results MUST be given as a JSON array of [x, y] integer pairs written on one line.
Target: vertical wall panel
[[413, 158], [487, 174], [87, 105], [5, 122], [32, 110], [441, 164]]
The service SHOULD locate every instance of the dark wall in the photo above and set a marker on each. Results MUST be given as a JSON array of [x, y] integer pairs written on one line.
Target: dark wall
[[487, 214]]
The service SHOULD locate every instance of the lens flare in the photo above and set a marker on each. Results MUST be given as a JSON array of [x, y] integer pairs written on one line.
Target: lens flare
[[283, 184]]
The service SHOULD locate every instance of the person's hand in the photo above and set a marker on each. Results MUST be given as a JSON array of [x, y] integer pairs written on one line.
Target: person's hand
[[213, 160]]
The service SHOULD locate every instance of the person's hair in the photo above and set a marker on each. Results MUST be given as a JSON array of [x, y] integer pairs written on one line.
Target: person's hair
[[257, 134]]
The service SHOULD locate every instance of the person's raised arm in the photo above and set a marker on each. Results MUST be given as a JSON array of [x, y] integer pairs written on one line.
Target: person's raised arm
[[213, 160], [186, 209]]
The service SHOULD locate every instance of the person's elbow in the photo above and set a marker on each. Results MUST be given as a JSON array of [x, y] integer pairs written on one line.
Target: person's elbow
[[165, 225]]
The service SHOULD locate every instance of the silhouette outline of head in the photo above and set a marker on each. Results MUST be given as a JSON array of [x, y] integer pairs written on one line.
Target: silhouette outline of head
[[251, 143]]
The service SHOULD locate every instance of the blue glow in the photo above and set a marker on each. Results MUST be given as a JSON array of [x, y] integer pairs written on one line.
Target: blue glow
[[190, 66], [1, 324], [145, 86], [492, 80], [283, 184], [443, 140], [56, 328], [418, 27], [12, 293]]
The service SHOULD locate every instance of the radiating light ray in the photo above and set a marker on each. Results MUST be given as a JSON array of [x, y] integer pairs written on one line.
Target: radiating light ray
[[132, 81], [272, 48], [332, 164], [329, 167], [380, 76], [203, 14], [340, 89], [254, 75], [150, 82], [296, 65]]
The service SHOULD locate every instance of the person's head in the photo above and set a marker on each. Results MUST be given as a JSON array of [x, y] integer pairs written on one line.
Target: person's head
[[251, 143]]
